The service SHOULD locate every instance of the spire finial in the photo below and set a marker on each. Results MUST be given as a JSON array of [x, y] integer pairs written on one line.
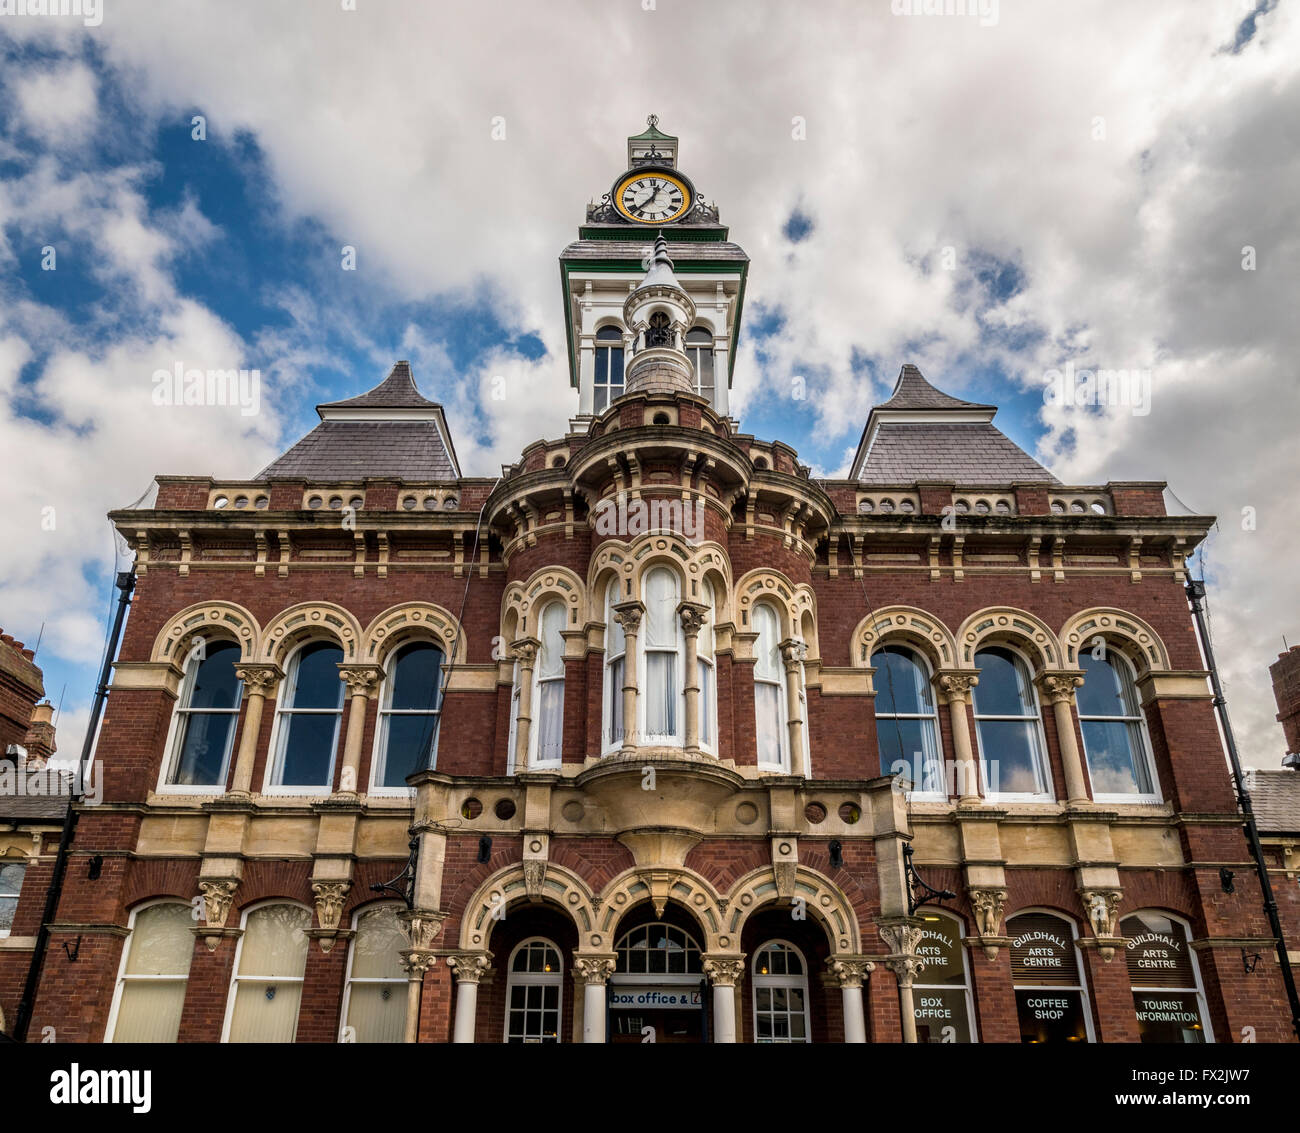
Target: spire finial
[[652, 121]]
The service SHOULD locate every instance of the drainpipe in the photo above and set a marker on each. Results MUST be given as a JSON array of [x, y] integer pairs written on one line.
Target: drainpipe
[[125, 584], [1195, 594]]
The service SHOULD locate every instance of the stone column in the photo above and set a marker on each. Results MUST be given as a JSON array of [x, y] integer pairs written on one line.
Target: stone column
[[629, 617], [692, 615], [469, 968], [725, 973], [902, 936], [850, 972], [1058, 687], [260, 682], [954, 688], [525, 652], [421, 928], [362, 680], [592, 971], [793, 652], [586, 373], [720, 376]]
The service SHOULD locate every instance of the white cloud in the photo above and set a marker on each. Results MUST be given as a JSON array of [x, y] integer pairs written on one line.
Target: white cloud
[[59, 105]]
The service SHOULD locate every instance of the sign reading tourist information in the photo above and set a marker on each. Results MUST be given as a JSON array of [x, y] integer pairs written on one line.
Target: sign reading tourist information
[[1159, 959], [654, 997], [1045, 971]]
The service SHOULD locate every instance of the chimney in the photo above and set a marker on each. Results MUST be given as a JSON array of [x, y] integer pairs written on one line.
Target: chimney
[[1285, 672], [39, 741]]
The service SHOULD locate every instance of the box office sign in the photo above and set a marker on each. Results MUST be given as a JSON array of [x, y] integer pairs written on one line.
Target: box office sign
[[644, 997], [1042, 952]]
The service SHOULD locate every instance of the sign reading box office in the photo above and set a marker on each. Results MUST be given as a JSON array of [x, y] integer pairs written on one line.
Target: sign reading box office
[[1045, 971], [939, 995], [654, 997]]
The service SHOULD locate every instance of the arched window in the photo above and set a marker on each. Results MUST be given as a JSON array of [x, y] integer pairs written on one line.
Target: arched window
[[769, 690], [1166, 980], [11, 883], [374, 1004], [154, 974], [206, 712], [663, 644], [780, 995], [941, 995], [308, 720], [547, 737], [658, 949], [409, 715], [1114, 731], [266, 988], [704, 651], [534, 991], [1012, 753], [609, 367], [907, 726], [1051, 999], [699, 349], [615, 647]]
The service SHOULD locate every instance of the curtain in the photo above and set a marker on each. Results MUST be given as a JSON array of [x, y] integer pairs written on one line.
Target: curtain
[[549, 709], [272, 960], [377, 995], [158, 955]]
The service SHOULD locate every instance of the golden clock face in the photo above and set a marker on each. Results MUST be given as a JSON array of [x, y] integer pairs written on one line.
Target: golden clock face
[[652, 198]]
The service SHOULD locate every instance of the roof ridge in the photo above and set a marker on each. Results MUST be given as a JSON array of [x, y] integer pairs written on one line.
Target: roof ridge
[[397, 391], [913, 391]]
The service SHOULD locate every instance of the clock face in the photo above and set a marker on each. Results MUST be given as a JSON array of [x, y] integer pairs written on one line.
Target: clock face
[[652, 198]]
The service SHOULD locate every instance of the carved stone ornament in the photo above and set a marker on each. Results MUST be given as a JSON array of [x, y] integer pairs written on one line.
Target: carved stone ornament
[[593, 969], [524, 651], [1059, 686], [1102, 908], [794, 651], [330, 897], [988, 905], [848, 971], [217, 896], [259, 680], [534, 876], [956, 685], [421, 926], [629, 615], [361, 680], [418, 961], [724, 971], [693, 617], [786, 874], [469, 966], [901, 938]]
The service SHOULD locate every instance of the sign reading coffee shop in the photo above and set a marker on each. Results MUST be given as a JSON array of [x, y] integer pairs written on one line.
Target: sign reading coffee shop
[[1045, 971]]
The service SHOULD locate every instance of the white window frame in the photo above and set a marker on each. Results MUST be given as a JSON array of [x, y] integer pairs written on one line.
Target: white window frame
[[25, 862], [693, 351], [1202, 1004], [534, 732], [1045, 763], [378, 753], [612, 688], [350, 979], [280, 729], [607, 345], [532, 979], [1143, 753], [515, 692], [919, 657], [972, 1024], [1081, 987], [707, 673], [235, 977], [787, 982], [676, 738], [122, 978], [782, 698], [175, 733]]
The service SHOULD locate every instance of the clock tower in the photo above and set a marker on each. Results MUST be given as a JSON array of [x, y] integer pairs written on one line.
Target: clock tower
[[614, 251]]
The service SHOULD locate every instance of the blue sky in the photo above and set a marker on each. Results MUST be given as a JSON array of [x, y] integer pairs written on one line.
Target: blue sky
[[1026, 210]]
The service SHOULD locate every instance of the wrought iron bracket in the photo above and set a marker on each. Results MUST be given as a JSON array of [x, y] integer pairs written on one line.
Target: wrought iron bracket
[[915, 881]]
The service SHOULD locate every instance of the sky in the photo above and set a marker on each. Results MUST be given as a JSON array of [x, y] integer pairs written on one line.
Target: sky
[[992, 196]]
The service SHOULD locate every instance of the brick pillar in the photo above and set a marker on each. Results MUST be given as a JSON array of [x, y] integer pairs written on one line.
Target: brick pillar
[[881, 995], [1114, 1018], [995, 997], [436, 1003], [322, 993], [206, 992]]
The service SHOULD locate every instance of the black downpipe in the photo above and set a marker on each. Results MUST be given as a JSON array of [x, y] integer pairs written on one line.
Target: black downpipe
[[125, 584], [1195, 594]]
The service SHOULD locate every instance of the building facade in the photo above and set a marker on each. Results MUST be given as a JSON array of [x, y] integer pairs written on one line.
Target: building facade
[[657, 737]]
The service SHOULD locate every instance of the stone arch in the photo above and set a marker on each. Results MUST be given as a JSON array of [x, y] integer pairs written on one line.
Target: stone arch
[[525, 598], [530, 881], [1128, 634], [905, 625], [791, 600], [824, 900], [690, 562], [411, 621], [309, 620], [683, 886], [1006, 624], [207, 619]]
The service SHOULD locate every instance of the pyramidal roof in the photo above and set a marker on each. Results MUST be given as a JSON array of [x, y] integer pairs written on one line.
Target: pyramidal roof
[[392, 431], [921, 433]]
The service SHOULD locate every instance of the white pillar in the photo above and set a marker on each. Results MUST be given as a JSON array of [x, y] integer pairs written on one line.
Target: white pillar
[[724, 1013], [466, 1011], [593, 1013], [855, 1022]]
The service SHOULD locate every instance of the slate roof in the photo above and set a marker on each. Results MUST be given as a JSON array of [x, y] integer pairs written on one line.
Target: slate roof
[[1275, 796], [681, 251], [29, 808], [922, 433], [390, 431]]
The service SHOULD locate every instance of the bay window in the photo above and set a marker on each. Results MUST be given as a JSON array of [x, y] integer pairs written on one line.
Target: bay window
[[662, 648], [615, 648], [770, 729], [704, 652], [547, 736]]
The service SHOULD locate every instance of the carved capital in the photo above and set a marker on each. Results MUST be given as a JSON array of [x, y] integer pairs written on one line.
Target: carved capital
[[593, 968], [259, 680], [693, 616], [988, 905], [955, 684], [417, 961], [469, 966], [1102, 907], [1058, 686], [902, 937], [794, 651], [361, 680], [724, 971], [629, 615], [330, 897], [421, 927], [849, 971], [905, 968]]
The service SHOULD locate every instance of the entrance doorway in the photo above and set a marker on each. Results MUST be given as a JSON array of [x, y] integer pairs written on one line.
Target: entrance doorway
[[658, 992]]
